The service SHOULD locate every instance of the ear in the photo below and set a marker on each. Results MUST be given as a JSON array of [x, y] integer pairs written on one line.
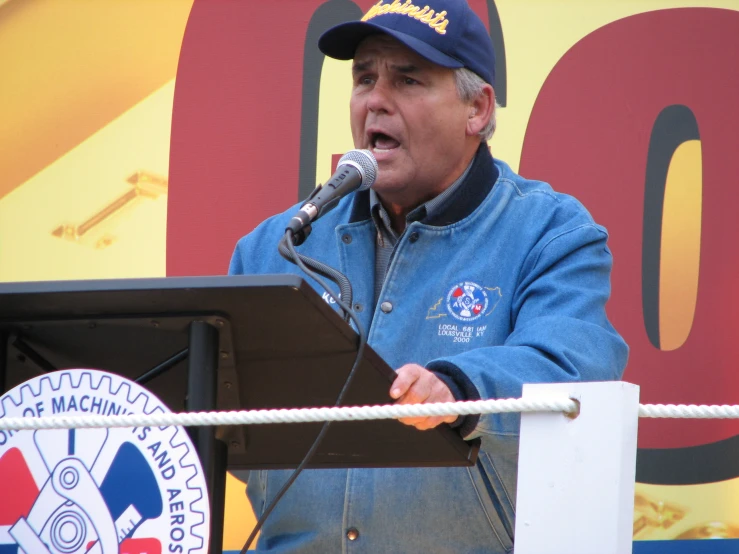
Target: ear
[[481, 110]]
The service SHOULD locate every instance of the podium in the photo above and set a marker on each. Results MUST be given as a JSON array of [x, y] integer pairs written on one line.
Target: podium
[[222, 343]]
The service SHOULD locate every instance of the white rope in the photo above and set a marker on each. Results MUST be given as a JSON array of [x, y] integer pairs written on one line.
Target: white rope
[[688, 411], [357, 413], [305, 415]]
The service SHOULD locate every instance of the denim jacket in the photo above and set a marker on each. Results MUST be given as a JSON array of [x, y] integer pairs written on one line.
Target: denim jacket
[[506, 284]]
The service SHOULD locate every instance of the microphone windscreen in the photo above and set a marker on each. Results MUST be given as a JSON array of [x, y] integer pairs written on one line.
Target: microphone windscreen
[[365, 161]]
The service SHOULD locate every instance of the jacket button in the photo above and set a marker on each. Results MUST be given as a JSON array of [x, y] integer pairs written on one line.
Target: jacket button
[[352, 534], [413, 237], [346, 239], [386, 307]]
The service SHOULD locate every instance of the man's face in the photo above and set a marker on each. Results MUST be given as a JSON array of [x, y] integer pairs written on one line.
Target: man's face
[[407, 111]]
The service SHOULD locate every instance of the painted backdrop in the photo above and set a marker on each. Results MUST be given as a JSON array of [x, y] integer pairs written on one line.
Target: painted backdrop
[[143, 138]]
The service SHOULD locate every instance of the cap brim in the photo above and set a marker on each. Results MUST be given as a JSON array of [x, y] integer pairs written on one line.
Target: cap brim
[[340, 42]]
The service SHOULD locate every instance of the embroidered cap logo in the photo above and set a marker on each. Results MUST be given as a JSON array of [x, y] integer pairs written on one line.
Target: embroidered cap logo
[[425, 15]]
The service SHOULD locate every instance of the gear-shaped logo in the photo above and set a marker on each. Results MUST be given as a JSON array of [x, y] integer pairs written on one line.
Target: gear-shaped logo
[[467, 301], [97, 491]]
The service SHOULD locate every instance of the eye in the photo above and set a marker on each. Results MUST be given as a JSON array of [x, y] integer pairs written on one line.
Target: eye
[[363, 79], [409, 81]]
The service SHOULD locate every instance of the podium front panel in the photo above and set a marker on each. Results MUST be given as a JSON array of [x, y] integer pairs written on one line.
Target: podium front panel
[[280, 346]]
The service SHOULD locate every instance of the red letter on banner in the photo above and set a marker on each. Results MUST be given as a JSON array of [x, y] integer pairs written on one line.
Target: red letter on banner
[[590, 134]]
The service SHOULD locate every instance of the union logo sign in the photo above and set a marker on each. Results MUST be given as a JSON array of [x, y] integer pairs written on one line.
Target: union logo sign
[[97, 491]]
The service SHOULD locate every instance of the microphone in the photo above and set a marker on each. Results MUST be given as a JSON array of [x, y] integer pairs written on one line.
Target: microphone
[[356, 170]]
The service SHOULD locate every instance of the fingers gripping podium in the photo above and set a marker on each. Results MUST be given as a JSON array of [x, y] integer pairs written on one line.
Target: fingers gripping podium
[[222, 343]]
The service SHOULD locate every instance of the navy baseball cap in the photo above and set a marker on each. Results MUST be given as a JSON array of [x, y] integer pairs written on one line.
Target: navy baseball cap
[[445, 32]]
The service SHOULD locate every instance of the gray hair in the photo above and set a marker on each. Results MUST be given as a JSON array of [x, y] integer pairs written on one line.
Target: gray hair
[[469, 86]]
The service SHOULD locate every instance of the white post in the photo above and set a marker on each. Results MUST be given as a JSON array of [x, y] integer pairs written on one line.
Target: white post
[[576, 476]]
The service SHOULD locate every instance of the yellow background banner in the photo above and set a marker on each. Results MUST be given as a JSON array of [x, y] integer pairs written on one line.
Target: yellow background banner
[[86, 101]]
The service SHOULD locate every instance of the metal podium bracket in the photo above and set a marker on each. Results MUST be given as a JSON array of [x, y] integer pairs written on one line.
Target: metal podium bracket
[[202, 391]]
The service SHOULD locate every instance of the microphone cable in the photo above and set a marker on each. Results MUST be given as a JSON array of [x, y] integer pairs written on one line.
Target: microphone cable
[[287, 244], [345, 287]]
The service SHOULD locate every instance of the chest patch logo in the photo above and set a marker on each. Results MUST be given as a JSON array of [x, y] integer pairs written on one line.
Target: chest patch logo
[[466, 302]]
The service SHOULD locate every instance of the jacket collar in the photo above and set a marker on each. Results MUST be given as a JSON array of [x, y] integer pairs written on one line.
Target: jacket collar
[[460, 204]]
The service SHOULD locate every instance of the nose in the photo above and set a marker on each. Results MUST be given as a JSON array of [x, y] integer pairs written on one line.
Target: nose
[[380, 99]]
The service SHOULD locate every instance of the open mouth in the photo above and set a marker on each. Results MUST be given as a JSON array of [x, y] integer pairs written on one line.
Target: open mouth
[[382, 142]]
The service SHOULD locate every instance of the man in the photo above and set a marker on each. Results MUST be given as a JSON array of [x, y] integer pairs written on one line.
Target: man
[[469, 279]]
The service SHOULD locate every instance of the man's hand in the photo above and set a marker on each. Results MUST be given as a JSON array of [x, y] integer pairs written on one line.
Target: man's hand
[[417, 385]]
